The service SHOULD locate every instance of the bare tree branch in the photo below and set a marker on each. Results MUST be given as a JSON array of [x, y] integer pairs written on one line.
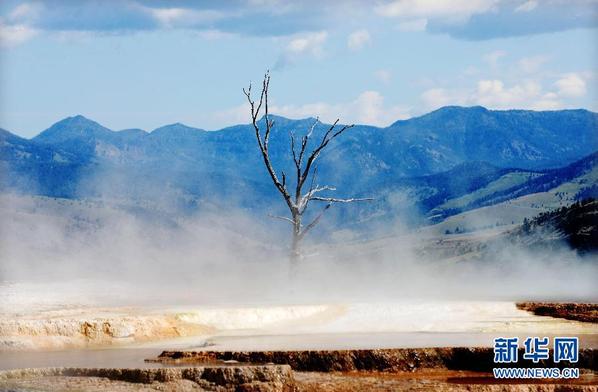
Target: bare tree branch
[[302, 201], [305, 139], [298, 202], [284, 218], [314, 222], [263, 144], [269, 124], [305, 199], [319, 189], [315, 153], [335, 200], [297, 162]]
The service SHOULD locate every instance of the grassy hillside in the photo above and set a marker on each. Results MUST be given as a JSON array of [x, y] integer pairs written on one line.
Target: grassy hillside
[[576, 224]]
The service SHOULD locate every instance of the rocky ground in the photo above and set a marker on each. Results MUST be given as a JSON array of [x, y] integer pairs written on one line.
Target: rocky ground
[[436, 369], [262, 378], [570, 311], [430, 380], [390, 361]]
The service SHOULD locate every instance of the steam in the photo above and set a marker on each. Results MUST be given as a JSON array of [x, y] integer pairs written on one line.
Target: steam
[[157, 253]]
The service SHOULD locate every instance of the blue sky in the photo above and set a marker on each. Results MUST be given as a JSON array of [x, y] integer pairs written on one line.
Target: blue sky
[[147, 63]]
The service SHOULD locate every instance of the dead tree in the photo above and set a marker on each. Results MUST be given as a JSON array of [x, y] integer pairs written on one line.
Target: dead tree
[[297, 200]]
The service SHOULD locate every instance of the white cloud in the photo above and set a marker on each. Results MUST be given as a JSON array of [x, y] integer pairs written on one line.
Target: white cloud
[[496, 94], [413, 25], [167, 16], [450, 10], [370, 106], [25, 12], [315, 109], [571, 85], [182, 17], [358, 39], [11, 36], [235, 115], [527, 6], [308, 43], [436, 97], [532, 64], [493, 93], [492, 58], [383, 75], [548, 101], [367, 108], [311, 43]]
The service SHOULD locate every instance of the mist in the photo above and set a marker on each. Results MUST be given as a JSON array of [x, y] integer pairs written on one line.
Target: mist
[[150, 252]]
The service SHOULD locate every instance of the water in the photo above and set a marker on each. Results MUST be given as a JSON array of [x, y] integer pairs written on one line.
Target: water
[[393, 324], [107, 358]]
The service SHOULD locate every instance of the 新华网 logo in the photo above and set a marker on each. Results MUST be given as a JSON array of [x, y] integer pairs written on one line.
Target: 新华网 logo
[[536, 349]]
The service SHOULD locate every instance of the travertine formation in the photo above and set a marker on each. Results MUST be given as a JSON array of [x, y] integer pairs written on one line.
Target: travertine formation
[[430, 369], [85, 331], [215, 378], [479, 359], [436, 381], [570, 311]]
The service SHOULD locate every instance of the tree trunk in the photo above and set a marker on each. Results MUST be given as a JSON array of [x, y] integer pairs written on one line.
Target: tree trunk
[[296, 243]]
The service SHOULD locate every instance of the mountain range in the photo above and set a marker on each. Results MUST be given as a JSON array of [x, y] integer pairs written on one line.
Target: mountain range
[[446, 162]]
